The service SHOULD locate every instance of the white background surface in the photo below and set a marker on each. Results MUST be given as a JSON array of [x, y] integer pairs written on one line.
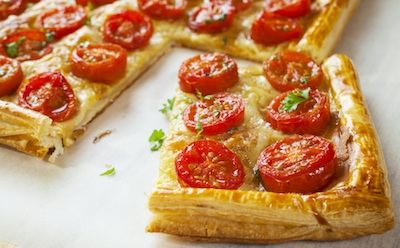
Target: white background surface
[[67, 204]]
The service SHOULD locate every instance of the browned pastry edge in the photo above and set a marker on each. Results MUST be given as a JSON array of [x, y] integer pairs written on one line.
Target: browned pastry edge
[[358, 205]]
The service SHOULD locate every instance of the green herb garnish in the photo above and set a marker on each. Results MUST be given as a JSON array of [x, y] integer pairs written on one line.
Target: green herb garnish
[[156, 139], [167, 106], [199, 128], [294, 98], [49, 37], [108, 172], [12, 49]]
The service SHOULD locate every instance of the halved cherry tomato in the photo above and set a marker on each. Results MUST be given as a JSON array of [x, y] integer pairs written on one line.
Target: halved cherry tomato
[[11, 7], [215, 114], [212, 17], [209, 164], [104, 62], [27, 44], [94, 2], [130, 29], [62, 21], [288, 70], [208, 73], [298, 164], [288, 8], [311, 116], [50, 94], [163, 9], [270, 29], [10, 75]]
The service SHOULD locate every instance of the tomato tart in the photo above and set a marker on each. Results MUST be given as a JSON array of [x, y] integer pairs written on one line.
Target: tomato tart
[[254, 163], [281, 151]]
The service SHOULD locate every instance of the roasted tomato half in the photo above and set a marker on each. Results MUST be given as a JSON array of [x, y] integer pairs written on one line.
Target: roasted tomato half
[[298, 164], [11, 75], [50, 94], [271, 29], [208, 74], [26, 44], [288, 70], [130, 29], [214, 115], [209, 164], [300, 111], [62, 21], [104, 62]]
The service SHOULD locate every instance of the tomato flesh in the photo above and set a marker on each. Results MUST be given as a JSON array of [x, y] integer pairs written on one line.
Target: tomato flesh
[[11, 75], [215, 115], [50, 94], [99, 62], [26, 44], [298, 164], [209, 164], [94, 2], [288, 8], [208, 74], [271, 29], [212, 17], [163, 9], [62, 21], [288, 70], [310, 117], [130, 29]]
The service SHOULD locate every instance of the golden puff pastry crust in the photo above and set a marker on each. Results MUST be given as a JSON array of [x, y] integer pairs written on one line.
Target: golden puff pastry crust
[[324, 25], [356, 203]]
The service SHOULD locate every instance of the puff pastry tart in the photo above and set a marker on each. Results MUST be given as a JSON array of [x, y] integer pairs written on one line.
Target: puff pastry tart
[[262, 164], [64, 61]]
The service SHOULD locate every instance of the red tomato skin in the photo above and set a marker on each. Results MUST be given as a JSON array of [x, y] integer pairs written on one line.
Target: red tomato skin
[[16, 8], [219, 167], [316, 172], [63, 27], [53, 95], [163, 9], [270, 29], [128, 21], [284, 68], [310, 117], [227, 118], [13, 76], [294, 9], [212, 17], [111, 67], [28, 50], [208, 73]]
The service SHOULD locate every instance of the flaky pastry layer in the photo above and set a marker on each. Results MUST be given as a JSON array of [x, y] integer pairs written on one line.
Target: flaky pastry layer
[[357, 202]]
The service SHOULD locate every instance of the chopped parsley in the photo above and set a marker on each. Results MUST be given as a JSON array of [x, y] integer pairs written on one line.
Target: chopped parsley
[[201, 97], [225, 40], [156, 139], [109, 172], [294, 98], [199, 128], [49, 37], [167, 106]]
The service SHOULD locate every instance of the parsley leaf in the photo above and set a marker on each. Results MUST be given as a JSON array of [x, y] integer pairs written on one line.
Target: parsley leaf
[[12, 49], [294, 98], [199, 128], [108, 172], [201, 97], [167, 106], [156, 139], [49, 37]]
